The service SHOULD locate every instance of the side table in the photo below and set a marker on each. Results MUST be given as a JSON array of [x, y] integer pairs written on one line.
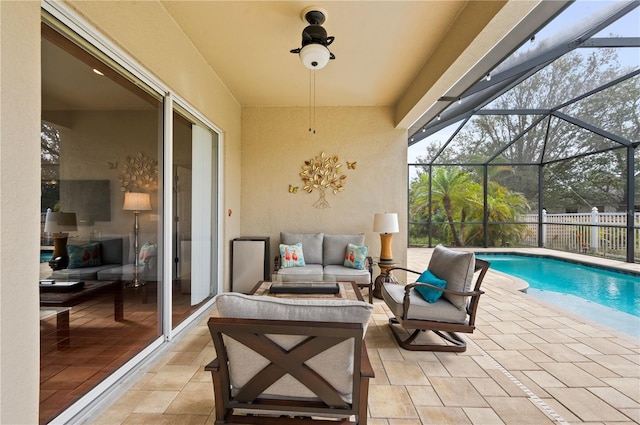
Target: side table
[[382, 278]]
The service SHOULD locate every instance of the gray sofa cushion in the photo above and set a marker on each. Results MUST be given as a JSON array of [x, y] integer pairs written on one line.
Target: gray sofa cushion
[[334, 365], [419, 309], [335, 247], [311, 245], [309, 271], [456, 267], [342, 273]]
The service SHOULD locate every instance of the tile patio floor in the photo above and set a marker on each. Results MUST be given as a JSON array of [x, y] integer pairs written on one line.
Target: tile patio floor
[[527, 363]]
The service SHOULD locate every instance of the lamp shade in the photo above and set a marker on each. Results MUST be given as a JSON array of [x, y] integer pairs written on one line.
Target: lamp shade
[[385, 223], [314, 56], [60, 222], [135, 201]]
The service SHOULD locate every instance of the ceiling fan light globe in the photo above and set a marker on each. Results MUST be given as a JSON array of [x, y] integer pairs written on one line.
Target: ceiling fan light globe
[[314, 56]]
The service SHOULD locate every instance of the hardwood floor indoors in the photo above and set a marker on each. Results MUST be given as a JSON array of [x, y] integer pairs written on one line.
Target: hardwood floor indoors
[[98, 345]]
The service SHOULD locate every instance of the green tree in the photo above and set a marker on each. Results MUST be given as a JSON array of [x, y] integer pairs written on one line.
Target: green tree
[[596, 168], [457, 201]]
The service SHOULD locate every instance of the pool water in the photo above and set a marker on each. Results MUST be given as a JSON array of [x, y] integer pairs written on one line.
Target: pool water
[[590, 291], [620, 291], [45, 256]]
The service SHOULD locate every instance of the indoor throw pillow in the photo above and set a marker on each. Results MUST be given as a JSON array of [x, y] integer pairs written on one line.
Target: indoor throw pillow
[[147, 253], [291, 255], [84, 255], [355, 256]]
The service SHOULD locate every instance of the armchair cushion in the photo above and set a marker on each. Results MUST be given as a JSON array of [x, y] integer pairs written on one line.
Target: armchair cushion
[[456, 267], [419, 309], [311, 243], [235, 304], [429, 294], [335, 247]]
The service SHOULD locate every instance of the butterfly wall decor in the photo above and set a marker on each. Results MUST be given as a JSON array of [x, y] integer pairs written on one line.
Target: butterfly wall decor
[[293, 189], [351, 165]]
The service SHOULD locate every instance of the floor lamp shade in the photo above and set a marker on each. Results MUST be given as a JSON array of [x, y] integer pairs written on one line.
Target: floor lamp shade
[[136, 201], [386, 224]]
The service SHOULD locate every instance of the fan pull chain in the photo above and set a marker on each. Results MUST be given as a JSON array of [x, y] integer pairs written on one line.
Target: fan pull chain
[[312, 101]]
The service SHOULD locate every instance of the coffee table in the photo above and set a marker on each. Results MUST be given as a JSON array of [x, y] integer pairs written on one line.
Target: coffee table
[[348, 290], [62, 300]]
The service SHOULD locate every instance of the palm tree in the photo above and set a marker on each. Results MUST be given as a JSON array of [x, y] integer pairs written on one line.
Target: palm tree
[[454, 190], [460, 199]]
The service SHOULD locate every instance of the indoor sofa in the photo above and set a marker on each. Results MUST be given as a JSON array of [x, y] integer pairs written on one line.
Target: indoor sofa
[[111, 258], [324, 257]]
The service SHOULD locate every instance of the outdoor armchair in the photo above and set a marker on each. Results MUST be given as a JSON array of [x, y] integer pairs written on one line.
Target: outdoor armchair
[[283, 370], [451, 308]]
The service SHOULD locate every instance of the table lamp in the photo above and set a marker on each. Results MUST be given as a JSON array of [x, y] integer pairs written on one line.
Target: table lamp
[[386, 224], [136, 202], [59, 224]]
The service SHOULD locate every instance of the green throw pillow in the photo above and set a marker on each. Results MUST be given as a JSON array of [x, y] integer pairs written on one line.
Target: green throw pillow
[[291, 255], [429, 294]]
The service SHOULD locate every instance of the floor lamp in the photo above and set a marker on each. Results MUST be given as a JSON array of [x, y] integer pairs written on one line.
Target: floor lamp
[[136, 202], [58, 224]]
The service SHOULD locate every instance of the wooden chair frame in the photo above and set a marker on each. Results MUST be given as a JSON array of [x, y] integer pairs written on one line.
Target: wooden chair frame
[[445, 330], [320, 337]]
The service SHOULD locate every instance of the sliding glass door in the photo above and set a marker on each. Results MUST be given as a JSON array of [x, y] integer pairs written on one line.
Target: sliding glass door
[[194, 203], [128, 225]]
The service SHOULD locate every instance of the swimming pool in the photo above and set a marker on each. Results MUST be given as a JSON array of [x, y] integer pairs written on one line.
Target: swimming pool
[[570, 285], [45, 255]]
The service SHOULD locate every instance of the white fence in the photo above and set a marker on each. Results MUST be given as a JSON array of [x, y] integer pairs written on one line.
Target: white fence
[[595, 232]]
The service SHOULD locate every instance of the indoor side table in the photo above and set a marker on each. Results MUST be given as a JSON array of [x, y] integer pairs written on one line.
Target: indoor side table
[[382, 278]]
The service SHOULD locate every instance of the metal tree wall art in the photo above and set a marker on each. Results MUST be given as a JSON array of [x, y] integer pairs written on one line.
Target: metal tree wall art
[[323, 173], [139, 173]]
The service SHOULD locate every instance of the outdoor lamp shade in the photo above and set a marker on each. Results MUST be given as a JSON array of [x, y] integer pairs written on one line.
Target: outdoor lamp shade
[[386, 224], [134, 201], [60, 222]]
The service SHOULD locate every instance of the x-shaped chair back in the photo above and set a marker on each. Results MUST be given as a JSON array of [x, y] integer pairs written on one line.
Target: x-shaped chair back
[[313, 339]]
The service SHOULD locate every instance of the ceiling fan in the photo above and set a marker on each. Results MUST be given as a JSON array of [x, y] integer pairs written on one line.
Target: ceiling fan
[[314, 52]]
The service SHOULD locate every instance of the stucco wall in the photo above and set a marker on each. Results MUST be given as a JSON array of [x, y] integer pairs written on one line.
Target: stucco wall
[[19, 210], [275, 144]]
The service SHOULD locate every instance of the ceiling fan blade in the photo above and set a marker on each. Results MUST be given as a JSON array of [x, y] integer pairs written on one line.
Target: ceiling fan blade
[[329, 40], [295, 50], [331, 56]]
